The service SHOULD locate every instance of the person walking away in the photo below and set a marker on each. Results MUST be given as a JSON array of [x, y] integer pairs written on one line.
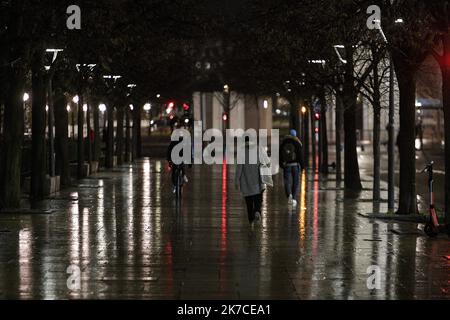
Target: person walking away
[[249, 183], [174, 168], [291, 161]]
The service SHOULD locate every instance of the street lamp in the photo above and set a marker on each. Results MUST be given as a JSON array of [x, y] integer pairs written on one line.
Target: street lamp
[[391, 129], [49, 108], [102, 109], [26, 97], [336, 49], [147, 107]]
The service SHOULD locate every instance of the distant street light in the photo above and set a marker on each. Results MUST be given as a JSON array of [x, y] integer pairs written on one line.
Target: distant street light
[[147, 107], [158, 96], [85, 107], [76, 99], [55, 55], [26, 97], [131, 107], [102, 107], [90, 66], [336, 49], [266, 104], [304, 110]]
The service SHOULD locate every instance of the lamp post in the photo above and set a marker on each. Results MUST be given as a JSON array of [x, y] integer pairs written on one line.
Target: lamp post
[[129, 128], [51, 115], [391, 124], [110, 81], [84, 71]]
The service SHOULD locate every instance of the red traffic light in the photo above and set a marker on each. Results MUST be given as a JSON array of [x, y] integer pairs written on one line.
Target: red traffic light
[[317, 116], [186, 107], [171, 105]]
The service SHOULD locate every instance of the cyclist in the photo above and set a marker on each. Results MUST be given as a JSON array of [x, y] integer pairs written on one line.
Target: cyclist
[[174, 167]]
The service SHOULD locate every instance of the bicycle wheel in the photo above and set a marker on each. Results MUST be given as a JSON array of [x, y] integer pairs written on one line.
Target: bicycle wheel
[[179, 183]]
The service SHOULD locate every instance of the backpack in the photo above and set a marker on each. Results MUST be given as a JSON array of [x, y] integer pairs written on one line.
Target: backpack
[[289, 152]]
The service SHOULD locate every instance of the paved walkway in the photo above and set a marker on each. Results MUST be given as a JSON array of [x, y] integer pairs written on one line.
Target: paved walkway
[[123, 231]]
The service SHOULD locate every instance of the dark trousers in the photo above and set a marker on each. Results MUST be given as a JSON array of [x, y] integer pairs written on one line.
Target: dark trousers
[[175, 170], [292, 181], [254, 204]]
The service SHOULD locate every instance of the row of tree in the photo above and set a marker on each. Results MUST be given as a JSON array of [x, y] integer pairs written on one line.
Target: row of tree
[[305, 50], [117, 38], [309, 49]]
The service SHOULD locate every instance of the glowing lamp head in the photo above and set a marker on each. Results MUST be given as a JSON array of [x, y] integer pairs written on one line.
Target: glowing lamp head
[[85, 107], [26, 97], [147, 107], [102, 107], [68, 108], [304, 110], [76, 99], [225, 117]]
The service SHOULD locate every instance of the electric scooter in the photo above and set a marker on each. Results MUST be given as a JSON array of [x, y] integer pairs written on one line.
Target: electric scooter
[[432, 227]]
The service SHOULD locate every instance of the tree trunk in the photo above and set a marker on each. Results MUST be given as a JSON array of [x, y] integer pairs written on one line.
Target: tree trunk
[[352, 178], [376, 149], [406, 141], [97, 139], [313, 141], [446, 103], [137, 138], [127, 136], [445, 68], [38, 147], [376, 133], [89, 136], [110, 138], [338, 125], [306, 138], [13, 127], [324, 134], [80, 149], [294, 114], [119, 136], [62, 139]]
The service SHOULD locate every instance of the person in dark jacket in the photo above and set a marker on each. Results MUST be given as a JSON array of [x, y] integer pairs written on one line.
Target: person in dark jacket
[[291, 161]]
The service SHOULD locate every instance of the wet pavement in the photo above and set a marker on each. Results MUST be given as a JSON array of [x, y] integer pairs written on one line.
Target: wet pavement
[[131, 241]]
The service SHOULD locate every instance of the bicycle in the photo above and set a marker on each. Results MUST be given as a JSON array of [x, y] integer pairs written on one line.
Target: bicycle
[[179, 180], [432, 227]]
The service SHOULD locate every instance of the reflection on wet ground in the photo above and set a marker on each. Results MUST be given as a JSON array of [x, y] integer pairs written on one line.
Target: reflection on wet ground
[[130, 240]]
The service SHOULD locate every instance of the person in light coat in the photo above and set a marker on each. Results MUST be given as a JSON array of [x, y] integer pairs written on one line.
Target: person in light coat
[[249, 181]]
